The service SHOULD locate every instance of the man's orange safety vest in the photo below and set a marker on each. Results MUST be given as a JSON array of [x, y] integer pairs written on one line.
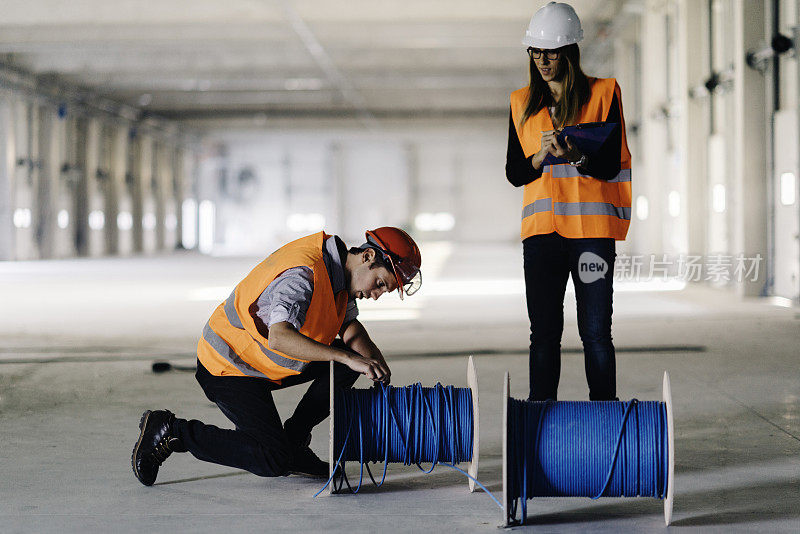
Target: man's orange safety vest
[[232, 344], [563, 200]]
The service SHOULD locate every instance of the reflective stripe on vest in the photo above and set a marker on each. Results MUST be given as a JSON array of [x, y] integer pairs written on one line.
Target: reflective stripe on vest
[[563, 200], [577, 208], [233, 344], [224, 350], [233, 318], [568, 171], [231, 313], [539, 206]]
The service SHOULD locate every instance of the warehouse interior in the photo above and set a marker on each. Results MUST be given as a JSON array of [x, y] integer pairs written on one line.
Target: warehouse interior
[[152, 153]]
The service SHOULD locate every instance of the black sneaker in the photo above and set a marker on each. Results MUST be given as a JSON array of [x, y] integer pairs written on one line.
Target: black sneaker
[[306, 463], [155, 444]]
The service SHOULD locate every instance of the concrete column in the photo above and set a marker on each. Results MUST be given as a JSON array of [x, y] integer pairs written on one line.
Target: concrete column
[[170, 196], [784, 267], [81, 212], [136, 191], [72, 128], [25, 176], [749, 155], [789, 25], [62, 187], [159, 181], [47, 190], [208, 173], [92, 244], [7, 168], [652, 176], [693, 49], [179, 168], [118, 165], [142, 201], [192, 190]]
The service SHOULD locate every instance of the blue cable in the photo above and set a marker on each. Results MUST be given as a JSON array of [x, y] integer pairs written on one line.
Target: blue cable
[[585, 449], [410, 425], [570, 449]]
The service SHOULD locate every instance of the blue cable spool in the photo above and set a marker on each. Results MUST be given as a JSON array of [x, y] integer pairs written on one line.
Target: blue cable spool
[[410, 425], [586, 449]]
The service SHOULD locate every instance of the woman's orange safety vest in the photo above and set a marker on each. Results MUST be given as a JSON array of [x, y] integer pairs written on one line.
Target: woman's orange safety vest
[[231, 344], [563, 200]]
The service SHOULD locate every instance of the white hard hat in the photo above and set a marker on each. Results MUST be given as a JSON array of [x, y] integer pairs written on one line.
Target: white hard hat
[[553, 26]]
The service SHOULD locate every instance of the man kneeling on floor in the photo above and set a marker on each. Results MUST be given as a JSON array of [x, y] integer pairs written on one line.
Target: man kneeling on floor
[[277, 329]]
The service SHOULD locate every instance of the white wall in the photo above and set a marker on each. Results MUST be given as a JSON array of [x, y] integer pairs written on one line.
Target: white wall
[[358, 179], [694, 143], [785, 215]]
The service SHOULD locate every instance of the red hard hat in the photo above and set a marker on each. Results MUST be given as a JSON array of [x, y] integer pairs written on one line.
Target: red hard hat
[[402, 253]]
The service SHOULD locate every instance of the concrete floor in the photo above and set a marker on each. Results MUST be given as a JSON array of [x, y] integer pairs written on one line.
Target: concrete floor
[[79, 336]]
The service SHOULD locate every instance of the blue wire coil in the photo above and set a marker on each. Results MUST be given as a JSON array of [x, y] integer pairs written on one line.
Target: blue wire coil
[[408, 425], [585, 449], [411, 425]]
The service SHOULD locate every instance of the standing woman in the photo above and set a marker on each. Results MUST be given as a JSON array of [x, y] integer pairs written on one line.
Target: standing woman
[[572, 212]]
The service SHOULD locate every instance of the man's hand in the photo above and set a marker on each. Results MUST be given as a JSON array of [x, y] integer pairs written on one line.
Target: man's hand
[[356, 338], [387, 377], [372, 368], [284, 338]]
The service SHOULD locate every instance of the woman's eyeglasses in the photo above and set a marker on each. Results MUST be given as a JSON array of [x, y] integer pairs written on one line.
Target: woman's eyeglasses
[[536, 53]]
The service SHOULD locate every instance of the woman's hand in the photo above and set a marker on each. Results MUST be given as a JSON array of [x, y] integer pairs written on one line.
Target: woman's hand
[[551, 145], [548, 137]]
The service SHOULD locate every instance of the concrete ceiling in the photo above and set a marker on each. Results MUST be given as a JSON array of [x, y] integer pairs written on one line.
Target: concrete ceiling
[[235, 58]]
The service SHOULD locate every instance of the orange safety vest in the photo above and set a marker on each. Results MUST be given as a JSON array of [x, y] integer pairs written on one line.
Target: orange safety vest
[[563, 200], [232, 345]]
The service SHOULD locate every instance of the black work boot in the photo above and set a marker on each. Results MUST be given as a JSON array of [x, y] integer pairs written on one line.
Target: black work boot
[[304, 461], [155, 444]]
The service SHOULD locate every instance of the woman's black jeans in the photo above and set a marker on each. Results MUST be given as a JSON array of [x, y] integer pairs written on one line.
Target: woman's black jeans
[[549, 260]]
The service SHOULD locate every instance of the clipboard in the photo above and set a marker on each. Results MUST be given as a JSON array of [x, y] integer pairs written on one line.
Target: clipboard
[[588, 137]]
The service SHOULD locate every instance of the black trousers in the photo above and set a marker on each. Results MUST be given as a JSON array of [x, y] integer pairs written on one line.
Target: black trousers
[[259, 443], [549, 261]]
